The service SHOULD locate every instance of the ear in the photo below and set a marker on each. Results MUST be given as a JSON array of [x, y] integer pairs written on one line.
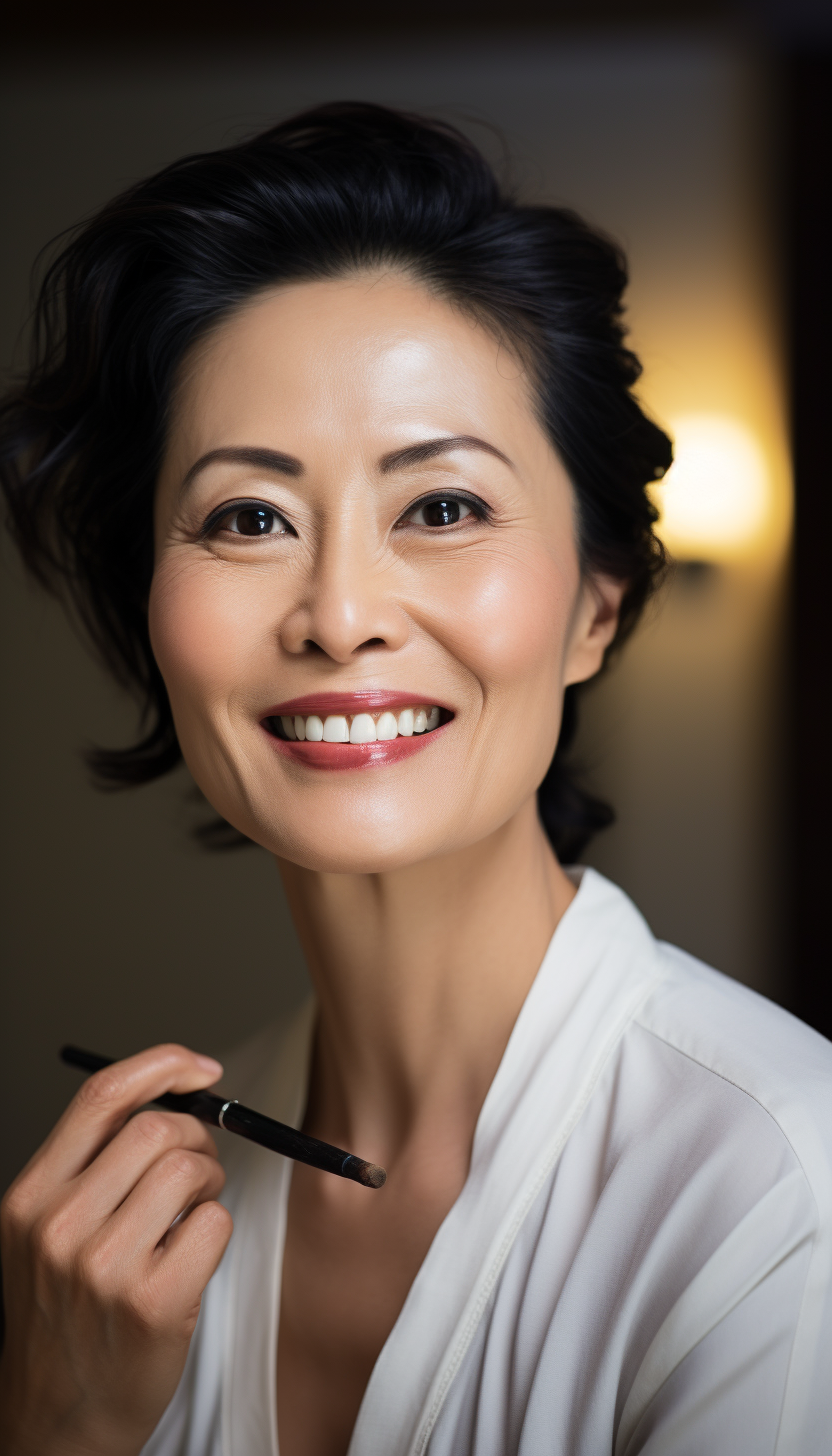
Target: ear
[[593, 627]]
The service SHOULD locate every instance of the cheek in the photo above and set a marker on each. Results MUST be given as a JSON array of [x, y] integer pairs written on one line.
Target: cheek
[[508, 621], [197, 631]]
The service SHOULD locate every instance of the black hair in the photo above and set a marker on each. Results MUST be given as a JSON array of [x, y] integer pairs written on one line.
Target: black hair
[[335, 189]]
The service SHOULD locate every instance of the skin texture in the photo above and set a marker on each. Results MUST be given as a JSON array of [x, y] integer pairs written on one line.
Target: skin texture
[[101, 1293], [424, 891]]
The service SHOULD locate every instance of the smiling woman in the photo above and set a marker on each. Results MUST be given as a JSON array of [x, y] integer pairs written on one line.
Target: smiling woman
[[334, 447], [367, 489]]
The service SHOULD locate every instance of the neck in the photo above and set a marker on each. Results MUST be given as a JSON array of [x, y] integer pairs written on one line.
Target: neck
[[419, 975]]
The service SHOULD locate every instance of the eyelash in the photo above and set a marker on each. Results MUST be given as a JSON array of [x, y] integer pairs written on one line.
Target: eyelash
[[477, 507], [228, 512]]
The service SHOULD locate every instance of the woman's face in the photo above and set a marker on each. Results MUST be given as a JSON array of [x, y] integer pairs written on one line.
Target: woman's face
[[361, 522]]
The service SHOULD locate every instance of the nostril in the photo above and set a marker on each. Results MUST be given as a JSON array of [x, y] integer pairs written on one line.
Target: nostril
[[331, 650]]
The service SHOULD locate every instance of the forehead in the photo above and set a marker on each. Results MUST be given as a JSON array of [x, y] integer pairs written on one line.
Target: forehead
[[369, 352]]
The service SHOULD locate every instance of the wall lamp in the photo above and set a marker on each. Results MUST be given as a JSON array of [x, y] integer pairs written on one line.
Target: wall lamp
[[715, 501]]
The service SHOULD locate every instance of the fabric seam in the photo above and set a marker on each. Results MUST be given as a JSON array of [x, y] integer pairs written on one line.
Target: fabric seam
[[537, 1181], [698, 1062]]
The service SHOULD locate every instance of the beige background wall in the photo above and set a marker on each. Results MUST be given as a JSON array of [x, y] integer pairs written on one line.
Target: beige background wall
[[117, 930]]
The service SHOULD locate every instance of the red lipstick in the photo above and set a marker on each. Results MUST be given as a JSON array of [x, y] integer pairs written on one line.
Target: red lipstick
[[354, 755], [350, 755]]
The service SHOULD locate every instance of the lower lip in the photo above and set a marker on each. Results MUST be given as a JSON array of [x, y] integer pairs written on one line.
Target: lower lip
[[354, 755]]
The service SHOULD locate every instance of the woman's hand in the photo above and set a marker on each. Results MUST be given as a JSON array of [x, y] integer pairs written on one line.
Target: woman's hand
[[102, 1291]]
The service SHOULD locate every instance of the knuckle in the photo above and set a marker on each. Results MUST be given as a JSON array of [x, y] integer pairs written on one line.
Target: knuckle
[[182, 1165], [209, 1228], [52, 1236], [210, 1190], [213, 1219], [155, 1128], [219, 1222], [100, 1091], [105, 1274], [97, 1267], [173, 1051], [16, 1207], [217, 1177], [214, 1228]]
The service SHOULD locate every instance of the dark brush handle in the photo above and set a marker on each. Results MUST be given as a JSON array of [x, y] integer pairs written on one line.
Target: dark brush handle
[[204, 1105], [264, 1131]]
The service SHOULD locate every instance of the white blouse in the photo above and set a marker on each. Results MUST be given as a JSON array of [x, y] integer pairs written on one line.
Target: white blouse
[[639, 1261]]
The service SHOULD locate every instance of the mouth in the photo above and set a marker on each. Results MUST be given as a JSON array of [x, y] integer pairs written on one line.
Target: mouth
[[355, 730]]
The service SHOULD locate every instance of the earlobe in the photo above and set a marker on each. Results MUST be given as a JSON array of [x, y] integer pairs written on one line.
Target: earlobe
[[595, 626]]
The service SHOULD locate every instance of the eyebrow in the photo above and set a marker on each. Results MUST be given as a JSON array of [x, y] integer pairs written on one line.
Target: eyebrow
[[281, 464], [258, 456], [428, 449]]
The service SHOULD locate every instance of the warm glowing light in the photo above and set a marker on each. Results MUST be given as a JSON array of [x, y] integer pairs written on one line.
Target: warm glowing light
[[715, 500]]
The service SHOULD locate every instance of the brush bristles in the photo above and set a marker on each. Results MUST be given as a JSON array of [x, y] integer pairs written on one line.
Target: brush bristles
[[369, 1174]]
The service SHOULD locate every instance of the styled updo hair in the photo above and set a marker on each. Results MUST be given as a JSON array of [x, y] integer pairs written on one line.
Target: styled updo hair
[[339, 188]]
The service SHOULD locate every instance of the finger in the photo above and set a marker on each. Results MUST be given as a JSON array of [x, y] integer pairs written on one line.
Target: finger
[[105, 1101], [176, 1182], [185, 1262], [120, 1166]]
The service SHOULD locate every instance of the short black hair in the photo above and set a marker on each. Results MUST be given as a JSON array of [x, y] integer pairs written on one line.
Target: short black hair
[[339, 188]]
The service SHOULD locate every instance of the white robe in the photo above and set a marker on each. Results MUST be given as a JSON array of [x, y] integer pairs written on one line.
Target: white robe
[[639, 1261]]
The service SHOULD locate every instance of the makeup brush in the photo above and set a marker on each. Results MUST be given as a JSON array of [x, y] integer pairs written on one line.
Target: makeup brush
[[232, 1116]]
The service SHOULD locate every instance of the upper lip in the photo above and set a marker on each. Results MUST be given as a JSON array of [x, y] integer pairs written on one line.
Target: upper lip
[[366, 700]]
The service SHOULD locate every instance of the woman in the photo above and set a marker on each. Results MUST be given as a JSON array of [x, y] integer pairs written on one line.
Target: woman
[[334, 446]]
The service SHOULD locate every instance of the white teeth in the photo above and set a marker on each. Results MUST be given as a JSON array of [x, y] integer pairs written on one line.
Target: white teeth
[[363, 729], [336, 729]]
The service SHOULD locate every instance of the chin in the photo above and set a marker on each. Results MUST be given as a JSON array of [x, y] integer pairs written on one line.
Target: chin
[[370, 822], [346, 849], [358, 838]]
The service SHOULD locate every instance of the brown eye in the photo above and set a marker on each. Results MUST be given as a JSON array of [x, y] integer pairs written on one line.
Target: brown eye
[[256, 521], [440, 512]]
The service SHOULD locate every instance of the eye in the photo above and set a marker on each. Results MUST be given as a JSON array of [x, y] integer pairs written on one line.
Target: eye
[[256, 521], [250, 518], [441, 511]]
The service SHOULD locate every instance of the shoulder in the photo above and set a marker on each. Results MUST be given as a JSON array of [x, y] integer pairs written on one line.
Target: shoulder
[[748, 1053], [714, 1064]]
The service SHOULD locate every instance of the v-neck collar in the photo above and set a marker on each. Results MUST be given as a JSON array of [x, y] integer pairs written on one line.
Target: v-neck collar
[[600, 966]]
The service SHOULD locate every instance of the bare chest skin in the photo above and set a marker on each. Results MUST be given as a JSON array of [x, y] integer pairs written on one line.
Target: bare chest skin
[[410, 1037], [351, 1256]]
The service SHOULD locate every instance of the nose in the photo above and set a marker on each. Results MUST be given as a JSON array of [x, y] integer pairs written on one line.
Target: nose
[[348, 603]]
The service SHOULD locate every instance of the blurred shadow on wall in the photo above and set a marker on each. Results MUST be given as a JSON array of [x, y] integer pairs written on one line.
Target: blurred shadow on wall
[[119, 930]]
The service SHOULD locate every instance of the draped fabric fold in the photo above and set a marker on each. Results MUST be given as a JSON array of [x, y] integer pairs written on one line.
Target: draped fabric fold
[[640, 1258]]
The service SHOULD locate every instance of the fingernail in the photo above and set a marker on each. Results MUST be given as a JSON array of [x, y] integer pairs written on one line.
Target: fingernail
[[209, 1064]]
